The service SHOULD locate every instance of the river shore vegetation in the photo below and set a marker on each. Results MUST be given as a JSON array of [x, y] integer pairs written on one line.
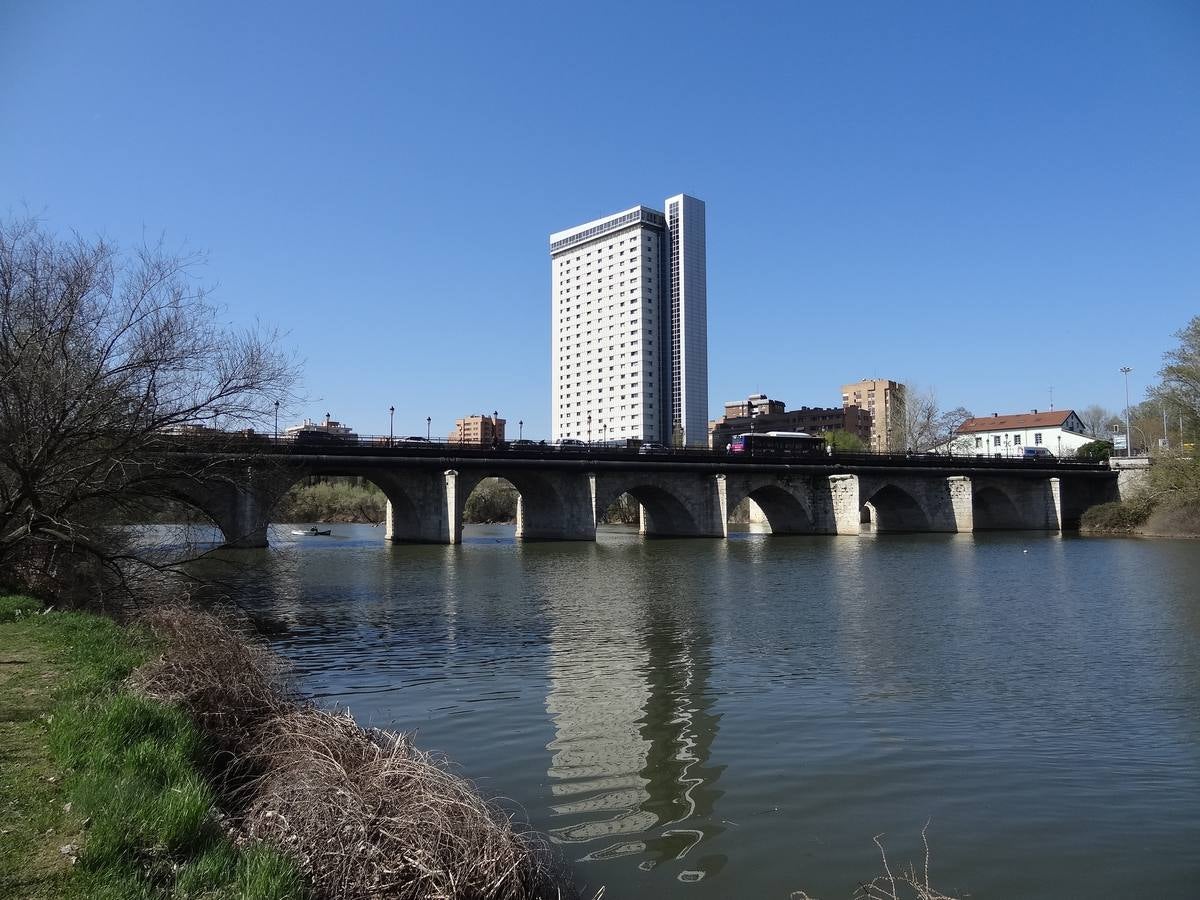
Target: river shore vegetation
[[103, 789], [1168, 504], [172, 759]]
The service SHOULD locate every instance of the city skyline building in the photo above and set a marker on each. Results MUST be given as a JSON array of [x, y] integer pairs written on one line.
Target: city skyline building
[[478, 431], [629, 337], [885, 401]]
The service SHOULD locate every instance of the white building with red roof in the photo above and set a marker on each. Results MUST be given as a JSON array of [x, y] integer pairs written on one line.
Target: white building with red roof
[[1059, 431]]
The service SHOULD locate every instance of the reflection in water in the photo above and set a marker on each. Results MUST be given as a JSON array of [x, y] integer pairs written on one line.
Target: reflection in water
[[737, 718], [633, 727]]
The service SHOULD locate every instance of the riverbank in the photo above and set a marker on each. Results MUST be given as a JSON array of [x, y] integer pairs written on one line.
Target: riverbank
[[171, 759], [1167, 504], [102, 792], [1122, 520]]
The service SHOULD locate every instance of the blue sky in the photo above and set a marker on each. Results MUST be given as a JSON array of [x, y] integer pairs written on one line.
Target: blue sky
[[987, 198]]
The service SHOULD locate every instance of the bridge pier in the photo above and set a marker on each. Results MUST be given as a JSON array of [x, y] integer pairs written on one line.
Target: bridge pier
[[551, 506], [1030, 504], [242, 519], [417, 507]]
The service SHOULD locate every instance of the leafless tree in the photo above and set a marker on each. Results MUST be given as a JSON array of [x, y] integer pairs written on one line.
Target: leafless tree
[[103, 354], [1097, 420], [924, 425]]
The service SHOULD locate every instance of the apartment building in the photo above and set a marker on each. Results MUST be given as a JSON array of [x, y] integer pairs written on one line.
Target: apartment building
[[758, 413], [629, 335], [884, 400], [478, 431]]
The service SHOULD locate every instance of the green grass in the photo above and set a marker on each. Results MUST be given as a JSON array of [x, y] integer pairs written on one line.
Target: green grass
[[131, 769]]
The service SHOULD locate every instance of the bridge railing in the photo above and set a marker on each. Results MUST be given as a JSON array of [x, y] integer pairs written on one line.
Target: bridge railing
[[368, 445]]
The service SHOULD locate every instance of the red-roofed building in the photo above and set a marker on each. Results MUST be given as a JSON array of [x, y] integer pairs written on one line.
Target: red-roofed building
[[1060, 431]]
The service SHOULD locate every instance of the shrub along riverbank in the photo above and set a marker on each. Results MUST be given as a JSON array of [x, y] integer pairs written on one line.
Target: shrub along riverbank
[[1168, 506], [171, 759]]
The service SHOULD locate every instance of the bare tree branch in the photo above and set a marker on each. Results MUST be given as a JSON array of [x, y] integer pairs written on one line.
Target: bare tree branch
[[102, 356]]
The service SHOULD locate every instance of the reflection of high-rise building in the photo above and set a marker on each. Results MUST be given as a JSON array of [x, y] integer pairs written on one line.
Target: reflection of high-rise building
[[633, 734], [884, 400], [597, 695], [629, 342]]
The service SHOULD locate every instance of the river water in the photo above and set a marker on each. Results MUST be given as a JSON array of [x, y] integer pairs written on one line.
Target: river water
[[707, 718]]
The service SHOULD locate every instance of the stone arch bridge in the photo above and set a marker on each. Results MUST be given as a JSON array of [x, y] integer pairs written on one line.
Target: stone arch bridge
[[681, 494]]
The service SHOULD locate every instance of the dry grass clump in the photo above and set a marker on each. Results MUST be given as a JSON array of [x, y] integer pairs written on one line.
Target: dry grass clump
[[364, 814], [902, 885], [228, 682], [369, 815]]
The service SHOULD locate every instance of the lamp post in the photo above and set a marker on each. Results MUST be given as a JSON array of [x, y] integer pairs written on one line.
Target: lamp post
[[391, 424], [520, 429], [589, 429], [1125, 370], [428, 422], [277, 421]]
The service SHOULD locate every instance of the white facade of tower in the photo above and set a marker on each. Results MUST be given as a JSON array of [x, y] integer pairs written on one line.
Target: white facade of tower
[[687, 284], [607, 294], [617, 294]]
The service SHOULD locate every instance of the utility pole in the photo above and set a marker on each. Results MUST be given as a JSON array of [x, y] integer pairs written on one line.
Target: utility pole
[[1125, 370]]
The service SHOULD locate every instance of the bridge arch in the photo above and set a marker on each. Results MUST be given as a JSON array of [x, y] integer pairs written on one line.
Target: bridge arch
[[893, 508], [234, 508], [550, 506], [785, 504], [672, 505]]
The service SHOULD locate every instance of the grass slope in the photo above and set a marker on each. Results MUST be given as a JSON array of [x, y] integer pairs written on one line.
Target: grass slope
[[115, 777]]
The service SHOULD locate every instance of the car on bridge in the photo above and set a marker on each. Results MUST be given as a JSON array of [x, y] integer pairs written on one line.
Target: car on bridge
[[1037, 453]]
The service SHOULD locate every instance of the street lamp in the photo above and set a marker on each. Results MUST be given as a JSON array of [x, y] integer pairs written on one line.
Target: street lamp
[[589, 429], [520, 429], [1125, 370], [391, 424], [428, 422], [276, 421]]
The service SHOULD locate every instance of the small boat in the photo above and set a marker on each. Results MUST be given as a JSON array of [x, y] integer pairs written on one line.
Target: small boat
[[314, 532]]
